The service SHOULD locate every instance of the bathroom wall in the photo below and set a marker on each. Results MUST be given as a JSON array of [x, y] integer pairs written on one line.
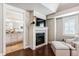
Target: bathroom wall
[[26, 24], [14, 37], [14, 22]]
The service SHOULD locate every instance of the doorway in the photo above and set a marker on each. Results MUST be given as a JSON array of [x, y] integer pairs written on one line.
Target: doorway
[[13, 29], [14, 35]]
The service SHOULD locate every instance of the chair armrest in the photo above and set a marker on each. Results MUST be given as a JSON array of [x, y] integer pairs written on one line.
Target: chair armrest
[[76, 44], [70, 46]]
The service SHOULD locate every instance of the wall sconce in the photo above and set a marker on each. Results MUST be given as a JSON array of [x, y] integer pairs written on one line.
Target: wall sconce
[[33, 22]]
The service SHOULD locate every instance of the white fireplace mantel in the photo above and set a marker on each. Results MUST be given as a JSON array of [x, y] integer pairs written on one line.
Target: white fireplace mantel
[[39, 30]]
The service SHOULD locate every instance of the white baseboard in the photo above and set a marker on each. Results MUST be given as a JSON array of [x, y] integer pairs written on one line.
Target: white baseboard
[[40, 45], [26, 47]]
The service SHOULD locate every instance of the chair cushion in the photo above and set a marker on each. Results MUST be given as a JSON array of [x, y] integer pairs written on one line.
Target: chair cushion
[[70, 46], [59, 45], [69, 40]]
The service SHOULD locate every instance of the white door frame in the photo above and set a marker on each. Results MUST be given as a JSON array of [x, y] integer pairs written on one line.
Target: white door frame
[[4, 28], [4, 35]]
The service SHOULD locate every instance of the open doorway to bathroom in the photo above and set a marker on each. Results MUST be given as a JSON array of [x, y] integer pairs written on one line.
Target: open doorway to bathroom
[[14, 29], [14, 35]]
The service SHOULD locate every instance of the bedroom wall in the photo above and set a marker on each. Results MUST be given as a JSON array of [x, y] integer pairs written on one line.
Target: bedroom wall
[[27, 27], [1, 30], [59, 34], [50, 25], [59, 29]]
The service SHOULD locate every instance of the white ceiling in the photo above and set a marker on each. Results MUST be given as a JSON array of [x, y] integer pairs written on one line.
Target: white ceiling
[[51, 6], [45, 8], [64, 6]]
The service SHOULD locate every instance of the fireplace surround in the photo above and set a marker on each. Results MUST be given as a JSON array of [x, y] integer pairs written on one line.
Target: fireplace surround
[[39, 38]]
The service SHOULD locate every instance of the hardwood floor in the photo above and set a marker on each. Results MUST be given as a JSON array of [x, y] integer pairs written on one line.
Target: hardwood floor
[[14, 47], [42, 51]]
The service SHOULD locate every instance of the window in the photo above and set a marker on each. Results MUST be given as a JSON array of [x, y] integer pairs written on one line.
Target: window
[[69, 25]]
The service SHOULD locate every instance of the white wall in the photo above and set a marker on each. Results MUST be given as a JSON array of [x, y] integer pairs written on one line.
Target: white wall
[[59, 29], [50, 25], [27, 27], [30, 29], [59, 24], [1, 30]]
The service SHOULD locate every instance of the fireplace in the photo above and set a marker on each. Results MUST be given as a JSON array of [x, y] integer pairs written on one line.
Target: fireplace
[[40, 38]]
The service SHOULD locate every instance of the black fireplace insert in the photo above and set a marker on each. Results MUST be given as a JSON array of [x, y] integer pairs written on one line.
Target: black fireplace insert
[[40, 38]]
